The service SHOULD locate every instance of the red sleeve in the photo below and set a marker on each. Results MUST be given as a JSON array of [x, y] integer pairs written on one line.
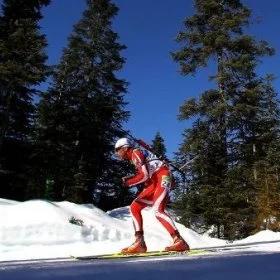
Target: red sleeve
[[141, 175]]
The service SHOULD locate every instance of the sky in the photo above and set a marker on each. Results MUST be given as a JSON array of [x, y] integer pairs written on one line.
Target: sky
[[148, 28], [38, 229]]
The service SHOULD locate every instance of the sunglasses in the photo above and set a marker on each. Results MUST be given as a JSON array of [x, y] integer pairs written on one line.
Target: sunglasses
[[117, 149]]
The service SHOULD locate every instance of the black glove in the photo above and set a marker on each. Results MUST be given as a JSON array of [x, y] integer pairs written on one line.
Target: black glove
[[124, 179], [140, 188]]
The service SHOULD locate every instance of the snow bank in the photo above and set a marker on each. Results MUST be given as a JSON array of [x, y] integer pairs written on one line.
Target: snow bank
[[40, 229]]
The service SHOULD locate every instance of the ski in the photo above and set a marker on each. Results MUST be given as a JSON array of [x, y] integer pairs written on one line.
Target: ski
[[237, 245], [142, 255]]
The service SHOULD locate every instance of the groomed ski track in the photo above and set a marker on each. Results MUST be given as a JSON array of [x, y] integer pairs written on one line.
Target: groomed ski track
[[220, 266], [231, 249]]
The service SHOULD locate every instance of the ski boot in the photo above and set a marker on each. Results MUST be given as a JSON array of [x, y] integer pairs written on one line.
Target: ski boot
[[139, 245], [179, 244]]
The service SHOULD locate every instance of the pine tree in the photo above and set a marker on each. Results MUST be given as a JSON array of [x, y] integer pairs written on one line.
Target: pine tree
[[230, 120], [266, 168], [158, 146], [22, 68], [81, 114]]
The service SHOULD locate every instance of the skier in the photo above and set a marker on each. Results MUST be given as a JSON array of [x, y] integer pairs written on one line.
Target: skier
[[157, 180]]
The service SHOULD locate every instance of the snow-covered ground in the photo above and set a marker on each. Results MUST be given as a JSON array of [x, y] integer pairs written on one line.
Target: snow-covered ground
[[40, 229]]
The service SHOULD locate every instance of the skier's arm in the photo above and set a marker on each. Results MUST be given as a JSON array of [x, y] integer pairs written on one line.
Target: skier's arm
[[142, 174]]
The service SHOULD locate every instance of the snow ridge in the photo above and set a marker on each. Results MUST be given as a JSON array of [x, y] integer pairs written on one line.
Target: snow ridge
[[40, 229]]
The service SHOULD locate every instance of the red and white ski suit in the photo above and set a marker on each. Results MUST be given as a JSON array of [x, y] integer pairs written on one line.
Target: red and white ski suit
[[157, 184]]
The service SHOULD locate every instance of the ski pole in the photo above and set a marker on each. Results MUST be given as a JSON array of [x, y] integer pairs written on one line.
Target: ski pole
[[187, 163]]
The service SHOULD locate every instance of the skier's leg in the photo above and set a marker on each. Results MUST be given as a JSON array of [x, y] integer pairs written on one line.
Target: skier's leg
[[135, 210], [143, 200], [160, 201], [139, 245], [161, 197]]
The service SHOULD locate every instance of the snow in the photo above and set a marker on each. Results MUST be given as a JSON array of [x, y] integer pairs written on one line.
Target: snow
[[39, 229]]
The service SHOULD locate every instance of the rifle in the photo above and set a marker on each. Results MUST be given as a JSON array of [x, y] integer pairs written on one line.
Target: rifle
[[144, 145]]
